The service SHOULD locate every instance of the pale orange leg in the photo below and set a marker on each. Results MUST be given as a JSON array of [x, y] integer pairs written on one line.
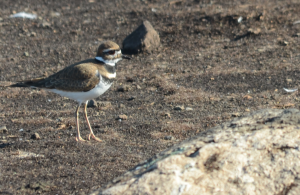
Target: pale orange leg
[[91, 131], [78, 137]]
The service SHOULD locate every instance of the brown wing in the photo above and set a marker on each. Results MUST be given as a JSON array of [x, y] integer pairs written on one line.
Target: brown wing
[[81, 77], [77, 77]]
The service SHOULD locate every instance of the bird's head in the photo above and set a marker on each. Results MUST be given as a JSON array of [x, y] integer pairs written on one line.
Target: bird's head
[[110, 53]]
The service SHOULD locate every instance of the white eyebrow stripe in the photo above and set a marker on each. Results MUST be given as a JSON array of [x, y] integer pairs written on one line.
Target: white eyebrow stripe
[[109, 62]]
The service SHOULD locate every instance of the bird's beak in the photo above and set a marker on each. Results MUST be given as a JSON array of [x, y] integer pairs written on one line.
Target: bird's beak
[[126, 57]]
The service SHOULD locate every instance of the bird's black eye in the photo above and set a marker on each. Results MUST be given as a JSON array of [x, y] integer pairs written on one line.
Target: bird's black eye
[[111, 52]]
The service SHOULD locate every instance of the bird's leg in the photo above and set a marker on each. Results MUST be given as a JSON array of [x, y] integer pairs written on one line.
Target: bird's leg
[[78, 137], [91, 131]]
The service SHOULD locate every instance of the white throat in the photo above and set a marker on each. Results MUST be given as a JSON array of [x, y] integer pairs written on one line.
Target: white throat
[[108, 62]]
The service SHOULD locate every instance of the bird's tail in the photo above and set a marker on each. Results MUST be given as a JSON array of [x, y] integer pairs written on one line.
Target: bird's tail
[[25, 83]]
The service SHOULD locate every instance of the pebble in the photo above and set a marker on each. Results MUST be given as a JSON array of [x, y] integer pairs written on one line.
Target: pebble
[[105, 103], [122, 117], [168, 137], [178, 107], [26, 54], [122, 106], [131, 98], [45, 24], [248, 97], [236, 114], [123, 88], [167, 114], [33, 34], [35, 136], [189, 108], [54, 14], [3, 129]]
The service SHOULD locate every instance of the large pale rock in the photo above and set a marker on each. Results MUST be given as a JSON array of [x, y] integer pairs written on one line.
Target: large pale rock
[[257, 154], [144, 38]]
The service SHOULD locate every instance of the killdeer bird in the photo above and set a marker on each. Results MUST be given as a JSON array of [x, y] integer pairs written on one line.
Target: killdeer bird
[[82, 81]]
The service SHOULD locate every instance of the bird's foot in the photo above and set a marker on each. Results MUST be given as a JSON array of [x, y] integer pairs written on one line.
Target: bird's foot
[[94, 137], [79, 138]]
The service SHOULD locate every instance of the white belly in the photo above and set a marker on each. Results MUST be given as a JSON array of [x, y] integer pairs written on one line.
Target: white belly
[[83, 97]]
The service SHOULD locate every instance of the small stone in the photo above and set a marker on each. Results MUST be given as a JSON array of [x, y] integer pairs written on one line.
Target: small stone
[[295, 35], [236, 114], [123, 88], [283, 43], [35, 136], [92, 104], [178, 107], [26, 54], [54, 14], [247, 110], [289, 80], [168, 137], [144, 38], [122, 106], [130, 79], [231, 97], [247, 97], [45, 24], [131, 98], [255, 31], [61, 126], [14, 137], [189, 108], [104, 105], [33, 34], [122, 117], [138, 87], [165, 114], [288, 105], [3, 129]]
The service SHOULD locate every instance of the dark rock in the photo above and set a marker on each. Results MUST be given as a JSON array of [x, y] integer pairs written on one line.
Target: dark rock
[[92, 104], [144, 38]]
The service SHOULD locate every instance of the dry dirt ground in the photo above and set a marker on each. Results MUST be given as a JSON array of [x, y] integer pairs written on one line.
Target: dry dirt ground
[[217, 60]]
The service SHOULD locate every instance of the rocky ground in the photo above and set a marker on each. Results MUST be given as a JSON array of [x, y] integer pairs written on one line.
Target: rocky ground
[[217, 60]]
